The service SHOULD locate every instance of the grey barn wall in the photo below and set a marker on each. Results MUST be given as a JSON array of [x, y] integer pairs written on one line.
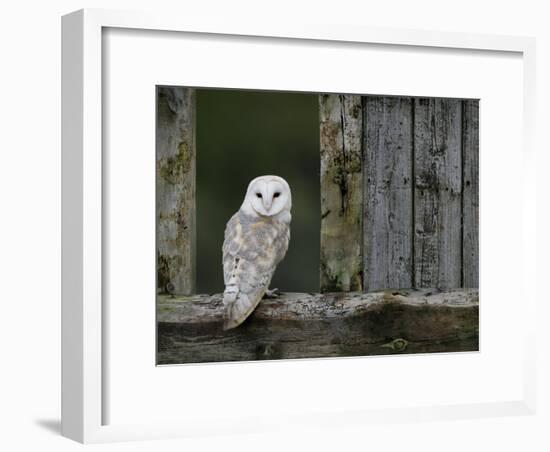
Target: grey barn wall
[[399, 192], [418, 193]]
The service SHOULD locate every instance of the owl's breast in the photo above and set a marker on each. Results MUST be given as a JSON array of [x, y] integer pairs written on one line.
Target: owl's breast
[[266, 240]]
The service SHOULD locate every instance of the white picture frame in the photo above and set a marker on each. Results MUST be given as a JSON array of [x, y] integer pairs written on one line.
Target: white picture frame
[[86, 393]]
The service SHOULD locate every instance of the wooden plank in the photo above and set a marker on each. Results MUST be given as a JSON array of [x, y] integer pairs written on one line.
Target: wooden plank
[[341, 192], [470, 193], [388, 214], [319, 325], [437, 194], [175, 196]]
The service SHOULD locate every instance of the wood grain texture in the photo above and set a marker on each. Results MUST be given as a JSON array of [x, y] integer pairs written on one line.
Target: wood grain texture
[[175, 190], [341, 192], [438, 193], [319, 325], [470, 193], [388, 190]]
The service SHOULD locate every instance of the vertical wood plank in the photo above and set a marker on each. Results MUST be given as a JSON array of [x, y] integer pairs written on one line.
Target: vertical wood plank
[[341, 192], [438, 193], [388, 214], [175, 184], [470, 193]]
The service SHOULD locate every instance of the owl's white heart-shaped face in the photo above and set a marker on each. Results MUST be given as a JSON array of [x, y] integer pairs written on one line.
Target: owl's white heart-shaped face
[[268, 196]]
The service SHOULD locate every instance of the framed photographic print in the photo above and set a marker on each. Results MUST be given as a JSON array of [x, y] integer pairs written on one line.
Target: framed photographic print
[[239, 209], [368, 262]]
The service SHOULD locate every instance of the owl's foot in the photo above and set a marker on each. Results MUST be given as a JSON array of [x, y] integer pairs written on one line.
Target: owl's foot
[[273, 293]]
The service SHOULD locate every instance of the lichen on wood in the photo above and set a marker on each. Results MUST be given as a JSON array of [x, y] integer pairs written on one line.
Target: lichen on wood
[[175, 190], [341, 192]]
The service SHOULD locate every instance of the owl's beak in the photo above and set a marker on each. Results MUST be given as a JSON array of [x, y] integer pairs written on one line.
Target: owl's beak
[[267, 204]]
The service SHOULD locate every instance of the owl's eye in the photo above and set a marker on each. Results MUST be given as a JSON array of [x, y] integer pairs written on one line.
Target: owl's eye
[[276, 194], [258, 195]]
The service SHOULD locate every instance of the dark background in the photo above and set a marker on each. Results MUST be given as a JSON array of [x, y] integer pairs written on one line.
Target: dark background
[[245, 134]]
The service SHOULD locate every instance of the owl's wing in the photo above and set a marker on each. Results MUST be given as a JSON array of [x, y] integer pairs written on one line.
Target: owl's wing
[[247, 269]]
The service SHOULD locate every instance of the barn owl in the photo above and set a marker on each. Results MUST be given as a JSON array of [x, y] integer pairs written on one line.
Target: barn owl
[[256, 240]]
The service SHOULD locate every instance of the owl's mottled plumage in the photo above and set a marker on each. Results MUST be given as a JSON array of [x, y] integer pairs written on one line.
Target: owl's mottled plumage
[[256, 240]]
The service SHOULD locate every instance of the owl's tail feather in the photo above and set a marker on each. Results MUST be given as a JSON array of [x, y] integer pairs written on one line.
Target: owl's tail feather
[[230, 293], [237, 305], [229, 299], [237, 311]]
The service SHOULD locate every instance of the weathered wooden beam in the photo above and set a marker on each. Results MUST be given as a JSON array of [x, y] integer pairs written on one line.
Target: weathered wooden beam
[[175, 195], [387, 172], [470, 193], [341, 192], [438, 192], [298, 325]]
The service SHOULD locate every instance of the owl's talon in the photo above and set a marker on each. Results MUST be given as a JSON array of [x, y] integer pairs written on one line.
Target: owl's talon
[[273, 293]]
